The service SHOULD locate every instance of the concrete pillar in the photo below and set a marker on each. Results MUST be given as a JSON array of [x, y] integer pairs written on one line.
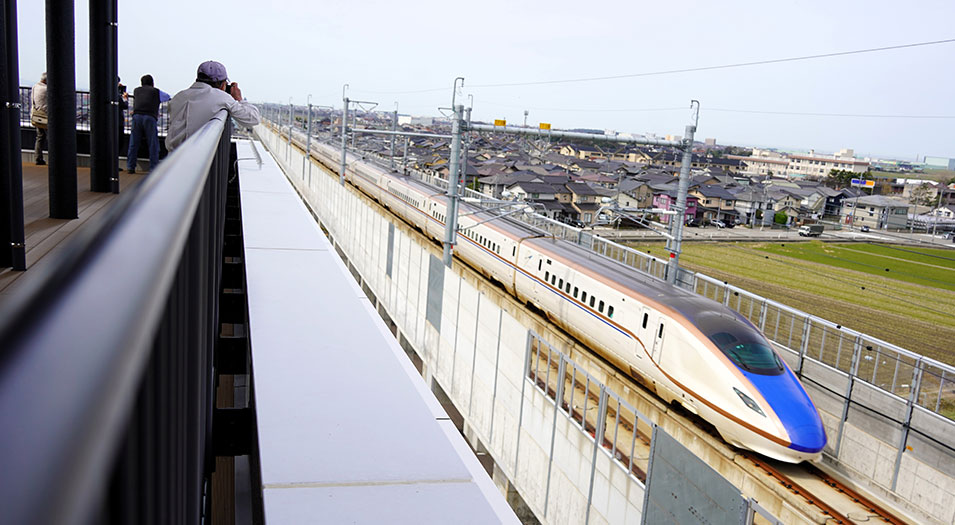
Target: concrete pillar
[[61, 101]]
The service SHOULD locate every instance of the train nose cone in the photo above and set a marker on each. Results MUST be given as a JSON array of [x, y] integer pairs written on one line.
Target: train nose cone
[[810, 438]]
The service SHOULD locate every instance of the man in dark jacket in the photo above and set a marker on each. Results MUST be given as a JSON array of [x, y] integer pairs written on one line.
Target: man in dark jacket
[[146, 100]]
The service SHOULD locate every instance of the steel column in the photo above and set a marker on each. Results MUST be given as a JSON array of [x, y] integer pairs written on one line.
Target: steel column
[[394, 129], [103, 158], [12, 251], [61, 101]]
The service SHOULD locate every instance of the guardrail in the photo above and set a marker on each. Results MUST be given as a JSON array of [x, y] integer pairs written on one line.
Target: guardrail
[[106, 362], [879, 363], [83, 112]]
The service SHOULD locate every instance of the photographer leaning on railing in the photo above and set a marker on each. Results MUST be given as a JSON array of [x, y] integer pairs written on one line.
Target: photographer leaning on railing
[[191, 108]]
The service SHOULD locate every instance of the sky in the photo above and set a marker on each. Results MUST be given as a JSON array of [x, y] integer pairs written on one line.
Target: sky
[[409, 53]]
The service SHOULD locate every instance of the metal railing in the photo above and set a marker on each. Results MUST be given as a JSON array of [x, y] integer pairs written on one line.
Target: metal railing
[[83, 112], [106, 361], [880, 363]]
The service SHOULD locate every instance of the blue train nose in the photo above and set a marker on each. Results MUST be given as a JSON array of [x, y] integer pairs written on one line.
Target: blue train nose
[[807, 438], [795, 410]]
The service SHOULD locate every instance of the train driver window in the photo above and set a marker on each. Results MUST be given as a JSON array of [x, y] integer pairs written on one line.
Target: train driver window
[[575, 292], [646, 317], [610, 311], [601, 307], [592, 301]]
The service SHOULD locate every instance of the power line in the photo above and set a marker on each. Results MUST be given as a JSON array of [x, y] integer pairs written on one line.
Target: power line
[[676, 71], [722, 66]]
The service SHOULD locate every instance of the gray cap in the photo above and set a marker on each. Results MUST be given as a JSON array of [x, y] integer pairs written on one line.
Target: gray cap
[[212, 70]]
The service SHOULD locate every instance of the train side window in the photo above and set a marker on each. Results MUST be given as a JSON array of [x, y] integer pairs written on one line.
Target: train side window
[[568, 288], [514, 254], [553, 279], [546, 276], [592, 300], [661, 331], [575, 292], [583, 297], [610, 311], [601, 307], [561, 283], [646, 317], [540, 263]]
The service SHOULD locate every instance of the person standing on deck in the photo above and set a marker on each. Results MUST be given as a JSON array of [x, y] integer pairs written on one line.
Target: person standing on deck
[[38, 117], [146, 99]]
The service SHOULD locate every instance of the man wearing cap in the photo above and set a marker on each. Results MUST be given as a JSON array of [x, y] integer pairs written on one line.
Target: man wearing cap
[[191, 108]]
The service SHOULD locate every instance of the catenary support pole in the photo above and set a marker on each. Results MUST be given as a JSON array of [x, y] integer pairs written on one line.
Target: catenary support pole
[[61, 103], [341, 172], [394, 128], [467, 146], [12, 251], [102, 83], [454, 176], [676, 225]]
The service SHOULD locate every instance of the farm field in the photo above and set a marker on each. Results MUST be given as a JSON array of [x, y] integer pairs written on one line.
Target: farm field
[[903, 295]]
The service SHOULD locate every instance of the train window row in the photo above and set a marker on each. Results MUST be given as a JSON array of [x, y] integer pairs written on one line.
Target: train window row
[[402, 196], [595, 303], [436, 215], [482, 240]]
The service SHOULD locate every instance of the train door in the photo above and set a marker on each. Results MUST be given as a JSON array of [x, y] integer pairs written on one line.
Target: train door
[[659, 334]]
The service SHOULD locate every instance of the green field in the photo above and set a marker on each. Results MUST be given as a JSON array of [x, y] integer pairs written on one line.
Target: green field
[[900, 294]]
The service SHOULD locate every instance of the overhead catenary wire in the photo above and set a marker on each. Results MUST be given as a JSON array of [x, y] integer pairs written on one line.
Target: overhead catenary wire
[[680, 70]]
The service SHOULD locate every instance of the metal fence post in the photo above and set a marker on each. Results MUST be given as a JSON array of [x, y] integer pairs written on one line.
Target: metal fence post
[[803, 348], [520, 414], [558, 395], [906, 425], [598, 437], [853, 369], [341, 172]]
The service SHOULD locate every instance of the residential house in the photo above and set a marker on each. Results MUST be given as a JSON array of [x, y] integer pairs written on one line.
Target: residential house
[[667, 201], [876, 211], [714, 203], [585, 200]]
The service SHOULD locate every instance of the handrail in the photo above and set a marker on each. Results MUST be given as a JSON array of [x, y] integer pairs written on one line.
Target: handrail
[[75, 345]]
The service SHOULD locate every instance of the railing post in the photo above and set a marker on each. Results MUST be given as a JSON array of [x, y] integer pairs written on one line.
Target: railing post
[[558, 396], [906, 425], [12, 248], [853, 370], [803, 348], [598, 437]]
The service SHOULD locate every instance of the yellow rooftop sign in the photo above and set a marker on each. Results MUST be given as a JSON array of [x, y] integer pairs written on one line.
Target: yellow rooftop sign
[[545, 125], [500, 122]]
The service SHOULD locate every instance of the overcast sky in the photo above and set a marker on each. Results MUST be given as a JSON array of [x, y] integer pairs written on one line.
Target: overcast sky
[[384, 49]]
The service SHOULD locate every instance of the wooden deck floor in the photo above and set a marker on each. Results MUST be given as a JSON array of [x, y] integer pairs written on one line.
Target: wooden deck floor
[[44, 236]]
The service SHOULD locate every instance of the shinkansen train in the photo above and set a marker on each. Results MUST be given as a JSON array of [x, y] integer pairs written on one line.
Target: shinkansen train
[[690, 349]]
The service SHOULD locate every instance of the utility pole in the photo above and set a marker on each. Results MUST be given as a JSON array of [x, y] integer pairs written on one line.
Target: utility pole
[[467, 147], [676, 227], [524, 137], [451, 221]]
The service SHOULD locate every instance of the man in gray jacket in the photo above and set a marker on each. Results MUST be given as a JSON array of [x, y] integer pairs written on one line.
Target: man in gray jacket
[[191, 108]]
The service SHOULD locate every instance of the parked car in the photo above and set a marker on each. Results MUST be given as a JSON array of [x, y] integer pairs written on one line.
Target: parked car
[[718, 223], [696, 223], [864, 229]]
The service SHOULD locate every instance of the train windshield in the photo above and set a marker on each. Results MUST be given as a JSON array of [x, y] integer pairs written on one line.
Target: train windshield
[[743, 344]]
